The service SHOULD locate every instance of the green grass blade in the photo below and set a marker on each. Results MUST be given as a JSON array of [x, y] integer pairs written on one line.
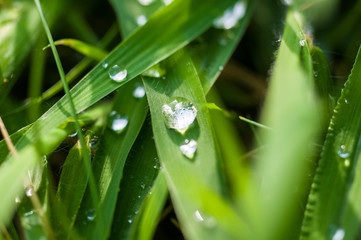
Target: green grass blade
[[291, 111], [140, 171], [182, 81], [15, 137], [337, 212], [109, 162], [82, 47]]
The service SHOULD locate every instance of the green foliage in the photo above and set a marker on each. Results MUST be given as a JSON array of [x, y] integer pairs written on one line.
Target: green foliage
[[162, 152]]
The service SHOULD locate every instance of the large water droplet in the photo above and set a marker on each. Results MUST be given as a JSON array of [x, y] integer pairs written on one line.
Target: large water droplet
[[117, 73], [189, 148], [90, 214], [231, 16], [139, 92], [339, 234], [179, 114], [29, 191], [117, 122], [342, 152], [141, 20], [145, 2]]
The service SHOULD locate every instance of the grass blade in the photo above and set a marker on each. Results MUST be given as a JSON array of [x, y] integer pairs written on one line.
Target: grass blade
[[337, 212]]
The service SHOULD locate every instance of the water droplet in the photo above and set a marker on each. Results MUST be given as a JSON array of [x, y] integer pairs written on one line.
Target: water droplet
[[74, 134], [29, 191], [105, 64], [342, 153], [117, 122], [93, 142], [189, 148], [90, 214], [136, 212], [287, 2], [167, 2], [145, 2], [179, 114], [142, 185], [141, 20], [302, 42], [27, 214], [346, 101], [17, 200], [138, 196], [231, 16], [155, 71], [198, 217], [220, 68], [347, 163], [339, 234], [130, 220], [139, 92], [117, 73]]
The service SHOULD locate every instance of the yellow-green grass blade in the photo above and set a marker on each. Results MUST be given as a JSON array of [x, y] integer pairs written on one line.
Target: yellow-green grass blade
[[187, 178], [291, 111], [82, 47], [333, 210]]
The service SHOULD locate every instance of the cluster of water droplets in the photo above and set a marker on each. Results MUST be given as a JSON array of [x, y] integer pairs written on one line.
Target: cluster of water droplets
[[179, 114], [231, 16], [189, 148], [117, 122]]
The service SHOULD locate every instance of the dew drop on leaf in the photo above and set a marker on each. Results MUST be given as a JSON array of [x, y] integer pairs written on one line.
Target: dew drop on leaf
[[339, 234], [139, 92], [231, 16], [342, 153], [29, 191], [141, 20], [117, 73], [179, 114], [90, 214], [104, 64], [189, 148], [117, 122]]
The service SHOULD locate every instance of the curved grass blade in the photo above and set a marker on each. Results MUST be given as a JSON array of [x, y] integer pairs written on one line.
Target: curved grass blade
[[333, 207], [291, 111], [82, 47]]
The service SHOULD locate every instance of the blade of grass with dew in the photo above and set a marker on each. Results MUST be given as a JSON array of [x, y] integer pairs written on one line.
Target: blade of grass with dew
[[109, 160], [291, 111], [150, 213], [70, 77], [182, 81], [139, 173], [147, 46], [18, 34], [337, 212], [13, 172], [223, 42], [82, 47]]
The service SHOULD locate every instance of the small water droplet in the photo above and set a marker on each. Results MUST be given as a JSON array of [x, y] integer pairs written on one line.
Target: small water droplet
[[90, 214], [302, 42], [167, 2], [130, 220], [220, 68], [136, 212], [139, 92], [231, 16], [141, 20], [142, 185], [179, 114], [105, 64], [74, 134], [339, 234], [138, 196], [117, 73], [287, 2], [189, 148], [93, 142], [17, 200], [342, 153], [198, 217], [155, 71], [29, 191], [346, 101], [27, 214], [145, 2], [117, 122]]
